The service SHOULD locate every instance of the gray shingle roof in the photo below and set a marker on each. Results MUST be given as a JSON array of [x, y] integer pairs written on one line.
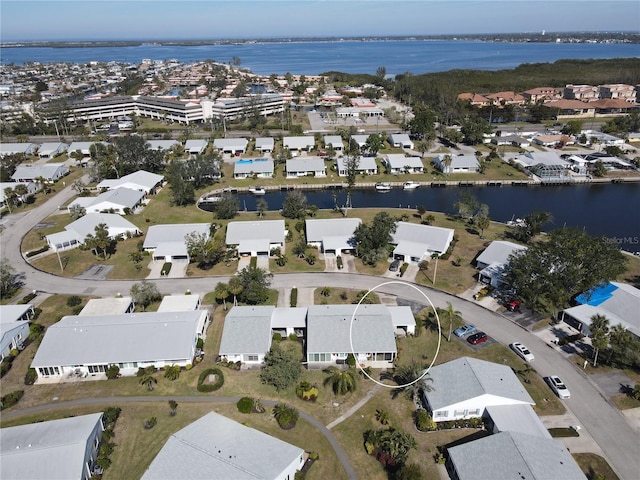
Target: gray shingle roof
[[328, 329], [86, 225], [319, 229], [247, 330], [106, 339], [466, 378], [217, 447], [172, 233], [272, 230], [421, 238], [511, 455], [46, 450], [498, 251]]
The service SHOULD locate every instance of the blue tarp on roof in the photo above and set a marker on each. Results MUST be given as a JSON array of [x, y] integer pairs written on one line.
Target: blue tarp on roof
[[597, 295]]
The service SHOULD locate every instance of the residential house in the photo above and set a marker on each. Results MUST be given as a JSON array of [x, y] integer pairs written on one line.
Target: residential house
[[179, 303], [618, 302], [619, 91], [232, 146], [141, 181], [512, 140], [300, 144], [14, 327], [465, 387], [335, 142], [84, 148], [542, 94], [79, 346], [475, 99], [519, 418], [162, 145], [367, 331], [456, 163], [414, 242], [256, 238], [258, 167], [168, 242], [264, 144], [332, 236], [219, 447], [584, 93], [107, 306], [366, 166], [399, 163], [552, 140], [571, 108], [195, 147], [77, 231], [120, 200], [50, 172], [32, 188], [509, 455], [305, 166], [56, 449], [361, 140], [17, 148], [493, 261], [48, 151], [507, 98], [400, 140]]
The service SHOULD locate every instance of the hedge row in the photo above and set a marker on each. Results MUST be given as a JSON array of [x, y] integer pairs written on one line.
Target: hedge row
[[38, 251], [210, 387], [10, 399], [293, 302]]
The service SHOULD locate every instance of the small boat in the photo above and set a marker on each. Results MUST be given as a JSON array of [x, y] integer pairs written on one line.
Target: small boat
[[383, 186], [211, 199], [257, 190], [410, 185]]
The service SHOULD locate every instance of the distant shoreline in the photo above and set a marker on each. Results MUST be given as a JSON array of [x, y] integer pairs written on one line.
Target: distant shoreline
[[550, 37]]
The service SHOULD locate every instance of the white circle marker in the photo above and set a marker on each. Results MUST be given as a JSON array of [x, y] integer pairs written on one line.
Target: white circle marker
[[435, 311]]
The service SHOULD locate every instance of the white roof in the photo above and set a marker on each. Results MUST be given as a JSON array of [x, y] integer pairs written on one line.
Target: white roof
[[11, 313], [289, 317], [197, 145], [298, 142], [47, 450], [171, 249], [106, 306], [271, 230], [172, 233], [264, 143], [230, 143], [513, 455], [45, 170], [105, 339], [86, 224], [546, 158], [305, 164], [418, 239], [217, 447], [517, 418], [320, 229], [329, 326], [460, 161], [145, 180], [401, 316], [51, 147], [121, 197], [398, 160], [247, 330], [161, 144], [179, 303], [498, 252], [364, 163], [257, 165], [11, 148], [82, 146], [466, 378], [334, 141]]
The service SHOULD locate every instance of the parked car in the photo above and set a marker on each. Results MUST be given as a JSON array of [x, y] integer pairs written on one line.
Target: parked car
[[514, 305], [477, 338], [395, 265], [558, 386], [464, 330], [522, 351]]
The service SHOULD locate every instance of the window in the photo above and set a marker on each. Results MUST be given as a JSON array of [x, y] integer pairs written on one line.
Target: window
[[441, 414], [252, 358]]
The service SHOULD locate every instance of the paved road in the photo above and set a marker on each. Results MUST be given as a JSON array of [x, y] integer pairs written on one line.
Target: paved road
[[591, 407], [119, 400]]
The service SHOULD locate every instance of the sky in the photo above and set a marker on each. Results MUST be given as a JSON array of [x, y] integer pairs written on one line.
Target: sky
[[36, 20]]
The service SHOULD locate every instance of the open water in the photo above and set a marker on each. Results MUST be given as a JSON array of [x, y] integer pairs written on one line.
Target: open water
[[312, 58]]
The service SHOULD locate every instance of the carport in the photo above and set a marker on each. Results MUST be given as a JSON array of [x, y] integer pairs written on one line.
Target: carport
[[254, 247]]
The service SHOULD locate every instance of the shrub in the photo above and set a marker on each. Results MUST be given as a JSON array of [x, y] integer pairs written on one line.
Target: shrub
[[314, 456], [27, 298], [150, 423], [277, 337], [306, 391], [424, 422], [40, 250], [166, 268], [210, 387], [172, 372], [351, 360], [10, 399], [293, 337], [245, 405], [73, 301], [30, 377], [200, 343], [253, 263], [113, 372], [76, 310], [403, 268], [286, 416], [294, 297], [5, 366]]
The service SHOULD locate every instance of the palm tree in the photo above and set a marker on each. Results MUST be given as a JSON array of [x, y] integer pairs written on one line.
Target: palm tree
[[148, 379], [449, 315], [286, 416], [406, 377], [221, 292], [483, 223], [21, 191], [9, 197], [342, 381], [599, 334], [235, 288], [446, 163], [262, 207], [173, 406]]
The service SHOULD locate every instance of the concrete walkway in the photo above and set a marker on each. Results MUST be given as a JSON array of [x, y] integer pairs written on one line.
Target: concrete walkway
[[355, 408], [584, 443]]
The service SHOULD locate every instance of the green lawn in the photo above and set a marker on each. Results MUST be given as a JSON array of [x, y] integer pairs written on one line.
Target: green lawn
[[594, 466]]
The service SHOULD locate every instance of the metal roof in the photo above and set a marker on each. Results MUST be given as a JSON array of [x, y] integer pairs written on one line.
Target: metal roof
[[106, 339], [47, 450], [122, 197], [144, 179], [262, 165], [511, 455], [217, 447], [46, 171], [364, 163], [298, 142], [466, 378], [398, 160], [305, 164]]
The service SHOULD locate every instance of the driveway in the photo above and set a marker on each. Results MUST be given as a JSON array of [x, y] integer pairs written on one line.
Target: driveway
[[612, 383]]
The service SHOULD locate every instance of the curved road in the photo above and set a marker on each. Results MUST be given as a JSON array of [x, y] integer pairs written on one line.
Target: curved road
[[604, 422]]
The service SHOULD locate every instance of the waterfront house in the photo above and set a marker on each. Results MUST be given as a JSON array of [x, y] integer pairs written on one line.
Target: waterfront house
[[399, 163], [305, 166], [120, 200], [77, 231], [414, 243], [332, 236], [141, 180], [50, 172], [366, 166], [167, 242], [493, 261], [85, 346], [456, 163], [465, 387], [256, 238], [56, 449], [225, 449], [257, 167]]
